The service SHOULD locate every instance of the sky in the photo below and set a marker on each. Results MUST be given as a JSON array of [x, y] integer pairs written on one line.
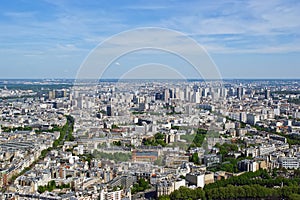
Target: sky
[[245, 39]]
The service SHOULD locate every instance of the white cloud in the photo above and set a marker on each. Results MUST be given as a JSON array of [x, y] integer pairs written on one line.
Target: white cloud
[[253, 26]]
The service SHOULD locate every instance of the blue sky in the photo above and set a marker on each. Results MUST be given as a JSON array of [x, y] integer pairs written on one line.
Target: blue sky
[[246, 39]]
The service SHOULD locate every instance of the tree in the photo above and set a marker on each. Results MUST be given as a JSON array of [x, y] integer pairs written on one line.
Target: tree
[[117, 143], [199, 138], [164, 197], [195, 158], [159, 139], [114, 126], [294, 196], [140, 186]]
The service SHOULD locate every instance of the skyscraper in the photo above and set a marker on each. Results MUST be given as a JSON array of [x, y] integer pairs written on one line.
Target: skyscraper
[[239, 92], [267, 94], [166, 95], [109, 110]]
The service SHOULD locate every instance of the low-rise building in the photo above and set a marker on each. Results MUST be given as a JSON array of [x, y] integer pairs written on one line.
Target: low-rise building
[[289, 162], [197, 179]]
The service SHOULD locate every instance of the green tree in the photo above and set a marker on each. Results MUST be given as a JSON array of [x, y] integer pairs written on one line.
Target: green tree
[[294, 196], [140, 186], [114, 126], [199, 138], [164, 197], [117, 143], [195, 158]]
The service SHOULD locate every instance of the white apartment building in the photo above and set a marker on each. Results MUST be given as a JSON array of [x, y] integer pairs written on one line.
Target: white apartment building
[[289, 162]]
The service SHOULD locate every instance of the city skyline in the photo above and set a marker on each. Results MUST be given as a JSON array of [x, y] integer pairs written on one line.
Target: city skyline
[[250, 39], [149, 139]]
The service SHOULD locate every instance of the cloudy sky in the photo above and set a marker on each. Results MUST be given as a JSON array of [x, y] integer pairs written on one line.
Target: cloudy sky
[[245, 39]]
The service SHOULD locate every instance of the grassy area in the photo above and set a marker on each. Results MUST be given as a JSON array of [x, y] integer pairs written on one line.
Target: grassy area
[[188, 138]]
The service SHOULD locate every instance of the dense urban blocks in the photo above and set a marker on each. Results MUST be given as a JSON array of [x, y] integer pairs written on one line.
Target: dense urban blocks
[[163, 140]]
